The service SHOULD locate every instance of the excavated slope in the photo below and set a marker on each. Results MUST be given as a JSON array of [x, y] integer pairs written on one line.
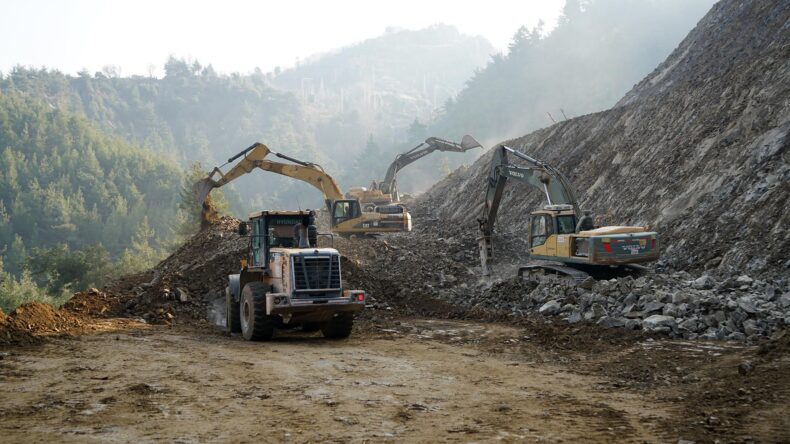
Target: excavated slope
[[698, 150]]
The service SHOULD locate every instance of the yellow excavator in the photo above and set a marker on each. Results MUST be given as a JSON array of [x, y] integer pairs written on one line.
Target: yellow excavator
[[562, 238], [386, 191], [346, 215]]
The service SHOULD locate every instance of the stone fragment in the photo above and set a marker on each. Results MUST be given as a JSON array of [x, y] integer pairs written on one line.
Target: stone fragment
[[750, 327], [655, 322], [744, 280], [746, 304], [653, 306], [182, 294], [610, 322], [633, 324], [550, 308], [703, 282]]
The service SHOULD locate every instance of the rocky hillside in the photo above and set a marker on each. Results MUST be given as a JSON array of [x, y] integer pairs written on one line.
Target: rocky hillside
[[698, 150]]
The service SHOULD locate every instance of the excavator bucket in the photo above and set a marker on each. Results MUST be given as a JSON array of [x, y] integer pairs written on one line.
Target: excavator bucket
[[468, 142], [201, 189]]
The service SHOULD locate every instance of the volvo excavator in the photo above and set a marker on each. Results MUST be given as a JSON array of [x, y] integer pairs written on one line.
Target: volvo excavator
[[346, 216], [386, 191], [562, 239]]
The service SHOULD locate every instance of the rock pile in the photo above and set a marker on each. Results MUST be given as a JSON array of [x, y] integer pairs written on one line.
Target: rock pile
[[439, 261], [676, 304], [186, 284], [29, 321]]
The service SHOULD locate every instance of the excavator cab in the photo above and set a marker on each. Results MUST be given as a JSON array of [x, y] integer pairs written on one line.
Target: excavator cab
[[346, 209], [547, 227]]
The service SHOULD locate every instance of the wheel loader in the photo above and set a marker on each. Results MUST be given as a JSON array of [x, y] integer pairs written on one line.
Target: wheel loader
[[346, 215], [386, 192], [562, 238], [286, 281]]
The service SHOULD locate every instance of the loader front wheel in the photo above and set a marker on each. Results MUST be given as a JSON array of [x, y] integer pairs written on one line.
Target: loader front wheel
[[256, 325], [232, 317], [339, 326]]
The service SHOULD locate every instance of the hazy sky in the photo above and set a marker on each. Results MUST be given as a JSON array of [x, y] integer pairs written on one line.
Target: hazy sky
[[232, 35]]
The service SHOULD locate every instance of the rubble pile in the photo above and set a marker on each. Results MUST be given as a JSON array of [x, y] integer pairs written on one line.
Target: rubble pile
[[34, 319], [186, 284], [676, 304], [411, 273]]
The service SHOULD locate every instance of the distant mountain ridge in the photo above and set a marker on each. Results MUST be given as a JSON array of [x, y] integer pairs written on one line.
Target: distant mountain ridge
[[401, 74]]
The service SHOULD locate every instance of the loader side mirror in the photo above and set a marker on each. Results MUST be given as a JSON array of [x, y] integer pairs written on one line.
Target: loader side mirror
[[243, 228]]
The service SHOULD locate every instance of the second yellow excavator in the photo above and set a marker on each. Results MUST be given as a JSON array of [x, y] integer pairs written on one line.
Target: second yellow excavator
[[386, 191], [346, 215]]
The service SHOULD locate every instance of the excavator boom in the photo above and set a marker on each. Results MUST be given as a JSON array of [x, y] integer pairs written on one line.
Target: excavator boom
[[254, 157], [537, 173], [431, 144]]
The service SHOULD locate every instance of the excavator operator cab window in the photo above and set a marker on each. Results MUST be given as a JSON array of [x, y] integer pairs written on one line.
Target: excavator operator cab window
[[541, 228], [344, 210], [566, 224]]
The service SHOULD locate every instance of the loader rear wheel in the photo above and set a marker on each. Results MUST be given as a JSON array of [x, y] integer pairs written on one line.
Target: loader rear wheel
[[339, 326], [256, 325], [232, 317]]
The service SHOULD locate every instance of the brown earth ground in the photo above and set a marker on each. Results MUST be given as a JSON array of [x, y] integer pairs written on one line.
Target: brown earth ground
[[395, 379]]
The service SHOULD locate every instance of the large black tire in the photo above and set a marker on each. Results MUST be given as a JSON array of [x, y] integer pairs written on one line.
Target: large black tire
[[255, 324], [311, 327], [232, 317], [339, 326]]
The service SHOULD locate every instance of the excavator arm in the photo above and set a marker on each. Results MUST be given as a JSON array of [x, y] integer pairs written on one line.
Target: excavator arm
[[345, 214], [431, 144], [536, 173], [255, 157]]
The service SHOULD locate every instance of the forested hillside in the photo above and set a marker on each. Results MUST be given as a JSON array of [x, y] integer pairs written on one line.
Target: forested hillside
[[597, 52], [73, 199], [191, 115], [194, 113]]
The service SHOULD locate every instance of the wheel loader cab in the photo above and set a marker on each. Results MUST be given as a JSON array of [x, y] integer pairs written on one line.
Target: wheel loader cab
[[343, 210], [270, 231]]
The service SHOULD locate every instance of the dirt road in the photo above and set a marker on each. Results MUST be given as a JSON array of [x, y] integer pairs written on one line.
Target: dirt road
[[415, 380], [176, 385]]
